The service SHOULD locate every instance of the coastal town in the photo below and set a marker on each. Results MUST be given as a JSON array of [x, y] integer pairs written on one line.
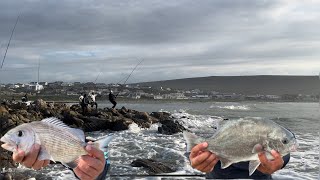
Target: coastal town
[[70, 90]]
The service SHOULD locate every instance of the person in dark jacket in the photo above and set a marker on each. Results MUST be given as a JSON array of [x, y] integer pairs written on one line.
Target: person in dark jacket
[[209, 163], [84, 104], [24, 98], [112, 99]]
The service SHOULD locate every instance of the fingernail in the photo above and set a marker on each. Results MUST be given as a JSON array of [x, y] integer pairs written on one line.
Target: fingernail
[[205, 144]]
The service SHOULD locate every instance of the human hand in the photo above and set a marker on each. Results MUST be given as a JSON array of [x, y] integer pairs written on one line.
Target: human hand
[[90, 166], [31, 159], [270, 166], [201, 159]]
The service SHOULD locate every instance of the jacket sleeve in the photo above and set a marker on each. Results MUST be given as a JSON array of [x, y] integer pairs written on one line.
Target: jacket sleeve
[[286, 159]]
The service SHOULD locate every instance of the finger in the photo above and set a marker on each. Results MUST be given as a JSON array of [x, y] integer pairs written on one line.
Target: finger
[[82, 175], [95, 152], [198, 148], [263, 158], [210, 163], [18, 156], [46, 163], [275, 154], [32, 156], [278, 161], [92, 162], [84, 167], [37, 165], [200, 159]]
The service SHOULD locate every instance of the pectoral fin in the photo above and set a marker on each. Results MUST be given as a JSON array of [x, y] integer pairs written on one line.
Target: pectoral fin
[[44, 155], [225, 163], [253, 165], [257, 148], [72, 164]]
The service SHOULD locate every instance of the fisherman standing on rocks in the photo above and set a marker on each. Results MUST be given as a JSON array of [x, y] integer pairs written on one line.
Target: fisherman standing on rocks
[[84, 104], [24, 98], [112, 99], [93, 102]]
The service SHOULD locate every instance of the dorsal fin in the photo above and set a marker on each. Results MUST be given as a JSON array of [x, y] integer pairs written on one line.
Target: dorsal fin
[[55, 121], [52, 121]]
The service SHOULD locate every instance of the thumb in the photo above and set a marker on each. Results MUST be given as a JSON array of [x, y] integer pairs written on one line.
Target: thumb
[[93, 151], [196, 149]]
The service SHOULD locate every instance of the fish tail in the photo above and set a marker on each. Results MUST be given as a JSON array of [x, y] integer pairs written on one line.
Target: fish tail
[[103, 143], [191, 139]]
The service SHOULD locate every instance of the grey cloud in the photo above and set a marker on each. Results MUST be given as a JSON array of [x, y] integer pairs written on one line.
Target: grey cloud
[[74, 38]]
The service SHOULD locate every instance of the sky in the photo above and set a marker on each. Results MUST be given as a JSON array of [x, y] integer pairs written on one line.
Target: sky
[[103, 40]]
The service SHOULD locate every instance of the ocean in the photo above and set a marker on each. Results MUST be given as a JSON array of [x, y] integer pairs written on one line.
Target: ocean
[[202, 117]]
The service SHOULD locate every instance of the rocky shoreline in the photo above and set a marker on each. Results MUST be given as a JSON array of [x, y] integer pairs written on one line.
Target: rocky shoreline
[[14, 114]]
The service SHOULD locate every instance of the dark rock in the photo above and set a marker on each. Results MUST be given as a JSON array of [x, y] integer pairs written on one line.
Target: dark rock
[[162, 116], [153, 166], [120, 124], [142, 115], [170, 127]]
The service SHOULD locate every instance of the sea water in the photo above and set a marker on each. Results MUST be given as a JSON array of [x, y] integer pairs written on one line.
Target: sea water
[[204, 117]]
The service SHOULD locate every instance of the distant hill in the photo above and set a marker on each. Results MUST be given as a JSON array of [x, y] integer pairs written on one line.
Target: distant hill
[[264, 84]]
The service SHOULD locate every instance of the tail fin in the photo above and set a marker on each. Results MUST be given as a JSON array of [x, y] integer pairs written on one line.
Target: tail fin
[[103, 142], [191, 139]]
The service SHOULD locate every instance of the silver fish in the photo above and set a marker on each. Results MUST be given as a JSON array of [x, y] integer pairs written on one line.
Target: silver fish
[[58, 141], [242, 140]]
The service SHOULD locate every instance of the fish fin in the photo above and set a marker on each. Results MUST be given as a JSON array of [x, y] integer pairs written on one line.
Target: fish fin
[[257, 148], [225, 163], [103, 142], [44, 155], [55, 121], [253, 165], [72, 164], [78, 132], [191, 139]]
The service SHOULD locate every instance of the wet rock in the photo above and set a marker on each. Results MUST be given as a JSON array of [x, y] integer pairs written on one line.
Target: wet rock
[[3, 110], [153, 166], [162, 116], [170, 127], [40, 104], [120, 124]]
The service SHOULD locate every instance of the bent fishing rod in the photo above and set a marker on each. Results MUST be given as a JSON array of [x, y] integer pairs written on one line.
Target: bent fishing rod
[[130, 74], [5, 54]]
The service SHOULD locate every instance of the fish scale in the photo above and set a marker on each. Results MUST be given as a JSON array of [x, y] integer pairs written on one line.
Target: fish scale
[[54, 138]]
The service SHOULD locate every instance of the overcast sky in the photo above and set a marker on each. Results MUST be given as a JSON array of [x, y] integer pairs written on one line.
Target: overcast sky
[[85, 40]]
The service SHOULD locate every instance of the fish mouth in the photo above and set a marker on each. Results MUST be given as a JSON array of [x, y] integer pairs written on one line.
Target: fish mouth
[[8, 144], [294, 146]]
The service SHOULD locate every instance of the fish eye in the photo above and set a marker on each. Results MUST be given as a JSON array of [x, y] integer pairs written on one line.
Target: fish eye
[[285, 141], [20, 133]]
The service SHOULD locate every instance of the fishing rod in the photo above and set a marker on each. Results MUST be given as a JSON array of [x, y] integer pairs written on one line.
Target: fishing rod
[[131, 73], [5, 54], [97, 77]]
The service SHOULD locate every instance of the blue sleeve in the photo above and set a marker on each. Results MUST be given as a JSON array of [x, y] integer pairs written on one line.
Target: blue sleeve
[[104, 173]]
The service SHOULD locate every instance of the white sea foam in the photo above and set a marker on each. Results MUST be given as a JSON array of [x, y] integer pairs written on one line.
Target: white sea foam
[[232, 107]]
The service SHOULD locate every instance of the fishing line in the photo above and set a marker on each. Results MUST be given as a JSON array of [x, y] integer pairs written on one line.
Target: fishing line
[[5, 54], [132, 71]]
